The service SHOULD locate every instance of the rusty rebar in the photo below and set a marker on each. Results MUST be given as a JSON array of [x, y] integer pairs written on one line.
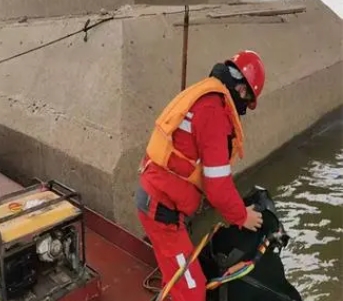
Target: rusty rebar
[[185, 48]]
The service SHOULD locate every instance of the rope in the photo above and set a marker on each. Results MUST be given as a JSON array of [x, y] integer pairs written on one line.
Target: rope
[[147, 282], [85, 29]]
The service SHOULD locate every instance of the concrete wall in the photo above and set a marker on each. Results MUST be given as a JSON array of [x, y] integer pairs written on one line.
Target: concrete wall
[[11, 9], [82, 112]]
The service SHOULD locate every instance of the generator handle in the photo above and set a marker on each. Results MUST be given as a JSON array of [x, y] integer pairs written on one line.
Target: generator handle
[[52, 183]]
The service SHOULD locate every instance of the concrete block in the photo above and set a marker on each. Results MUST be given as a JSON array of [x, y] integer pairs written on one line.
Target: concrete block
[[14, 9], [81, 112]]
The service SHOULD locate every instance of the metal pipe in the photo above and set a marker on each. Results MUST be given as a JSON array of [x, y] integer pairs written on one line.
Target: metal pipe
[[185, 48]]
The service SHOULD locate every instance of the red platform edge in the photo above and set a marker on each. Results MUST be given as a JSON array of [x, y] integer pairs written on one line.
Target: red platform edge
[[120, 237]]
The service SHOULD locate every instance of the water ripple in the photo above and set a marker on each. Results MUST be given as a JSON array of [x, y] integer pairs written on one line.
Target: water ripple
[[314, 228]]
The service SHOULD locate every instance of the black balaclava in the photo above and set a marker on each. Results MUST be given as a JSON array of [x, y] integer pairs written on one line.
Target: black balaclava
[[222, 72]]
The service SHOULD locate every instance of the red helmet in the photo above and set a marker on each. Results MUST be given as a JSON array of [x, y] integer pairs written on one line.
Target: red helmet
[[251, 66]]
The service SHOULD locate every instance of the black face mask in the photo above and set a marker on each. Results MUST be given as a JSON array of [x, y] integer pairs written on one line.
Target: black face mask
[[221, 72], [240, 103]]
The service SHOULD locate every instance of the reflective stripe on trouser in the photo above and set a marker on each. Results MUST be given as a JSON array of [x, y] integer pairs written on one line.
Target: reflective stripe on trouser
[[217, 171], [171, 248]]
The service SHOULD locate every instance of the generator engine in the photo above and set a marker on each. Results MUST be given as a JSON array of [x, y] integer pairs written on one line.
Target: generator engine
[[60, 246], [41, 243]]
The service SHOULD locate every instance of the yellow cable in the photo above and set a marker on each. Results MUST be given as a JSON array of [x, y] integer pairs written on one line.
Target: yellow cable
[[179, 273]]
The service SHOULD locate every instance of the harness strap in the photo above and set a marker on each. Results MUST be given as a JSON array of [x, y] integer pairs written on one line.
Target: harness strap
[[252, 281], [167, 216], [223, 293], [226, 261], [161, 213]]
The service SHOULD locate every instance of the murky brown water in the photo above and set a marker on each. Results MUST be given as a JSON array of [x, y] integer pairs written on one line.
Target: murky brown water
[[307, 184]]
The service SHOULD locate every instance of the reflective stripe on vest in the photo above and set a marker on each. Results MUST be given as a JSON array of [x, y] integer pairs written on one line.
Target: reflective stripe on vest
[[217, 171], [177, 115], [186, 125], [190, 115]]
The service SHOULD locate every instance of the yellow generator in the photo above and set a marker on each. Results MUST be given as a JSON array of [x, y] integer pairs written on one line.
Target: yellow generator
[[42, 247]]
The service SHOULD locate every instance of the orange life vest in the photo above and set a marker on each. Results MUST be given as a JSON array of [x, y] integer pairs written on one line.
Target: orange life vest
[[160, 146]]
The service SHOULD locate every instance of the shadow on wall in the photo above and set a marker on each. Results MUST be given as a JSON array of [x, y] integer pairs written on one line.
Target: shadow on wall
[[23, 158]]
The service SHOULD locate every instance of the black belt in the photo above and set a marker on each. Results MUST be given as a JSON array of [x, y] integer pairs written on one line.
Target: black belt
[[163, 214]]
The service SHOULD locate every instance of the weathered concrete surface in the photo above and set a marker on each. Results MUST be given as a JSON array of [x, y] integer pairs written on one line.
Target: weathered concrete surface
[[12, 9], [67, 98], [82, 112]]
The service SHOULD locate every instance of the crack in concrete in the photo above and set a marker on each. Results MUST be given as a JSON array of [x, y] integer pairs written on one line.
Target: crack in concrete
[[37, 107]]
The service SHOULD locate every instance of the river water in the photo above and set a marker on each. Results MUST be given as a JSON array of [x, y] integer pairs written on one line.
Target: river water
[[306, 182]]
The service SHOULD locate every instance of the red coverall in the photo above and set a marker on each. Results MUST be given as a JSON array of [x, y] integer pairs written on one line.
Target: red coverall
[[203, 134]]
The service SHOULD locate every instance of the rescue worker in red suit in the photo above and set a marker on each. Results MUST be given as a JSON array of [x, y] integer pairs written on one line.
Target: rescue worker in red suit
[[199, 152]]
